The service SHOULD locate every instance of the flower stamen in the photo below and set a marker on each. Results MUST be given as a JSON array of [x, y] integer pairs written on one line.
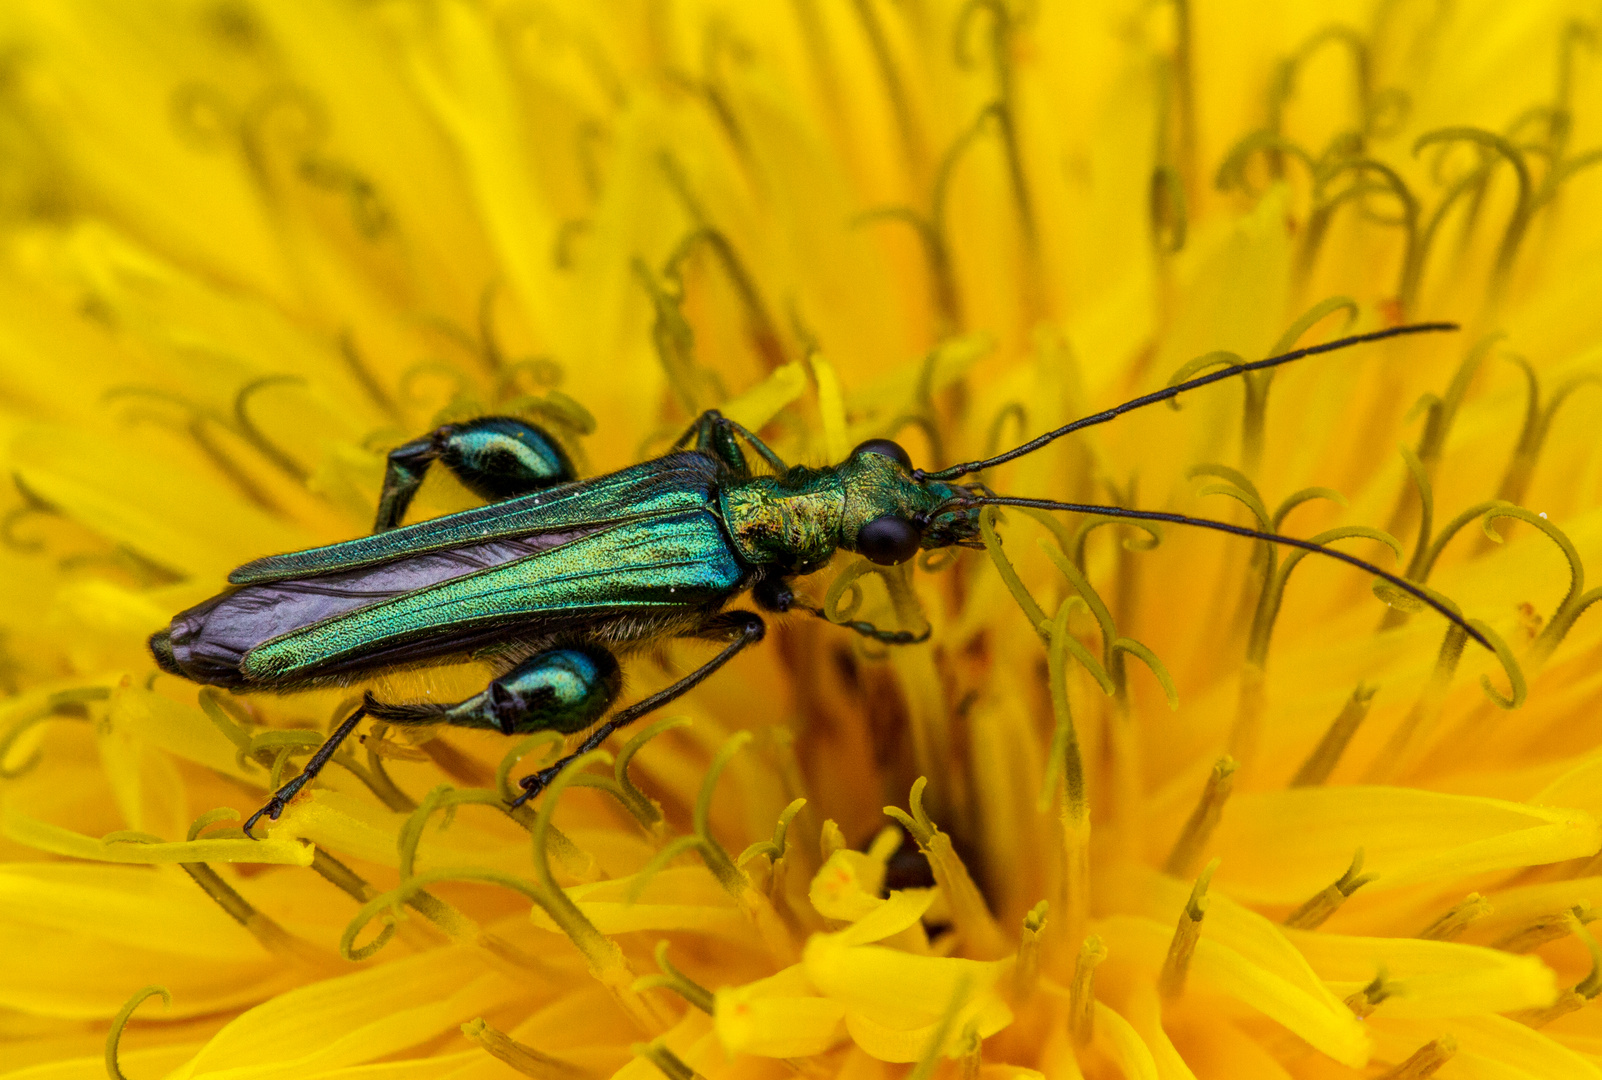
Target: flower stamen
[[911, 135], [621, 787], [776, 852], [273, 937], [1327, 754], [1424, 714], [1082, 994], [120, 1021], [1425, 1062], [980, 934], [695, 387], [1065, 766], [1366, 1000], [701, 840], [1176, 966], [672, 1066], [520, 1056], [671, 978], [1026, 969], [378, 778], [1457, 919], [1545, 928], [1192, 841], [1317, 910], [1577, 996], [1538, 417]]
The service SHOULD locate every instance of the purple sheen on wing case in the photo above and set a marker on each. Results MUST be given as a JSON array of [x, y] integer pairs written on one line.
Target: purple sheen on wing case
[[209, 640]]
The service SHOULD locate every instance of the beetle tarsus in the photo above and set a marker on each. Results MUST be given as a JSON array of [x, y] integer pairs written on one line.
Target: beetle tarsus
[[281, 797], [274, 807]]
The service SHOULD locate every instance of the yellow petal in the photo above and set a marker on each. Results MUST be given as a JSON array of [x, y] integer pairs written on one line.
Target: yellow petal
[[895, 1001], [145, 782], [474, 99], [180, 730], [1124, 1045], [1283, 846], [146, 1061], [762, 402], [159, 910], [1433, 978], [780, 1016], [59, 841], [358, 826], [831, 409], [204, 532], [896, 391], [107, 624], [124, 923], [1143, 1012], [847, 887], [677, 898], [1314, 1014], [901, 910], [1009, 1072], [1252, 937], [1488, 1046], [1515, 909], [356, 1018], [1580, 788]]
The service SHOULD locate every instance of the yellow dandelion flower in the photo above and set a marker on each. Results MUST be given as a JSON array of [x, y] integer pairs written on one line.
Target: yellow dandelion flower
[[1145, 801]]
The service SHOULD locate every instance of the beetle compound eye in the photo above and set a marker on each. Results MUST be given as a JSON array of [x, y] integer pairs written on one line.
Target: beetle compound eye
[[888, 540], [886, 448]]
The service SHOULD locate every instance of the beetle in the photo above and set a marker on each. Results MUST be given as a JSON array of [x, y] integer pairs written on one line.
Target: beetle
[[556, 576]]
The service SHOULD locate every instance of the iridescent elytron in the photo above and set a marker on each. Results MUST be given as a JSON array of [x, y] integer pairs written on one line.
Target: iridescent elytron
[[556, 576]]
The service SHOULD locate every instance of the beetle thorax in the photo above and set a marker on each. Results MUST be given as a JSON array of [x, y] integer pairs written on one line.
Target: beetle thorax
[[793, 521]]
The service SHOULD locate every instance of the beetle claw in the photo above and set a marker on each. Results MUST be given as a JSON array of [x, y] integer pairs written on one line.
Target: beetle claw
[[274, 807], [534, 783]]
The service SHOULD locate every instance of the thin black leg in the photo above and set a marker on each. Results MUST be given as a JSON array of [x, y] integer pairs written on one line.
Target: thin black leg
[[281, 797], [873, 633], [775, 594], [744, 627]]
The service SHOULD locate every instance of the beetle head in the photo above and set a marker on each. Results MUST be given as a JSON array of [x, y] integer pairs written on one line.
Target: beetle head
[[891, 512]]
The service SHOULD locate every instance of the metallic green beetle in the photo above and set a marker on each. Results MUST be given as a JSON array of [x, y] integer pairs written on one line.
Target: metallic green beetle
[[556, 576]]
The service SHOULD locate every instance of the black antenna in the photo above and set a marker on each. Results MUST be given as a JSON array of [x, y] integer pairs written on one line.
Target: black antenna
[[1166, 393], [1240, 530]]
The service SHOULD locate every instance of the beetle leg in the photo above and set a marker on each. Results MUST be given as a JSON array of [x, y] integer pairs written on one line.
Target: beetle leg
[[562, 689], [281, 797], [712, 435], [739, 628], [715, 434], [402, 477], [775, 594], [885, 637], [496, 457], [775, 462], [873, 633]]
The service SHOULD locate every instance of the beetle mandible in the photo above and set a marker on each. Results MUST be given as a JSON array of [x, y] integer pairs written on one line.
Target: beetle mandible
[[556, 576]]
